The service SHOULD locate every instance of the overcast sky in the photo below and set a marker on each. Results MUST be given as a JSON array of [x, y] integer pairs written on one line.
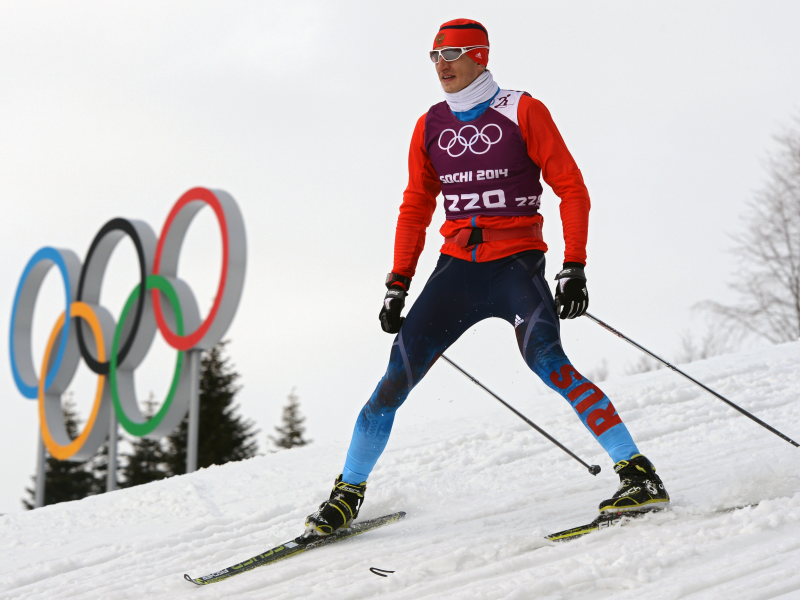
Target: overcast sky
[[303, 111]]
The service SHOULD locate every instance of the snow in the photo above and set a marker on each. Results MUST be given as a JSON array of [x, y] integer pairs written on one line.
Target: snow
[[480, 492]]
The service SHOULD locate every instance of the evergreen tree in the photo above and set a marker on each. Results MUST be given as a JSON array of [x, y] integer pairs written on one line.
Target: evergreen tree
[[98, 467], [146, 462], [224, 436], [65, 480], [292, 430]]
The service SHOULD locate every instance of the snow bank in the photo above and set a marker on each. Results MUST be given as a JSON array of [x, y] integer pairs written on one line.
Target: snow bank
[[480, 492]]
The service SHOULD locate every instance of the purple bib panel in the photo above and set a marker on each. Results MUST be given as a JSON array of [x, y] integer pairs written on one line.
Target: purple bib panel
[[483, 165]]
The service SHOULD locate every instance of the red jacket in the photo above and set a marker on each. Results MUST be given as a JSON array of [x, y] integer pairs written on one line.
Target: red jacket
[[545, 147]]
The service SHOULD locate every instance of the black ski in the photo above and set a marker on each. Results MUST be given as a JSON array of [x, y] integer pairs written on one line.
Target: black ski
[[607, 520], [295, 546], [604, 521]]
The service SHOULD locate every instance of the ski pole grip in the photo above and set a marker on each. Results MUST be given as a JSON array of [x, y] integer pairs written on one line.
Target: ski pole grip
[[594, 469]]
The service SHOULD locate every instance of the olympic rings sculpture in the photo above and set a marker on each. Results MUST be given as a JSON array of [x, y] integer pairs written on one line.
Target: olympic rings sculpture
[[113, 350], [468, 143]]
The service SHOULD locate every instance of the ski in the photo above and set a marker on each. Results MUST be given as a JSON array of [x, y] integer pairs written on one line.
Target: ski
[[602, 522], [295, 546], [609, 520]]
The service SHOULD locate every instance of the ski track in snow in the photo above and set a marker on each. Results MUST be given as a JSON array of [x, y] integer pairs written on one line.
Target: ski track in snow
[[480, 493]]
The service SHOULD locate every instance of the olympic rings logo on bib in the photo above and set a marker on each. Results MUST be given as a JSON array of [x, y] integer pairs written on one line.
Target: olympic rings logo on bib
[[113, 350], [480, 139]]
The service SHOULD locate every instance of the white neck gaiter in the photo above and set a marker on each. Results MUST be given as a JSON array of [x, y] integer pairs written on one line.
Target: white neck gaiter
[[480, 90]]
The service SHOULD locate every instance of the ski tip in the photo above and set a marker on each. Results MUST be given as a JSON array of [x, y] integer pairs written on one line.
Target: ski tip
[[571, 534], [194, 581]]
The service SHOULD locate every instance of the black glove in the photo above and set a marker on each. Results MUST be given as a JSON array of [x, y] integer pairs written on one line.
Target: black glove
[[393, 303], [572, 299]]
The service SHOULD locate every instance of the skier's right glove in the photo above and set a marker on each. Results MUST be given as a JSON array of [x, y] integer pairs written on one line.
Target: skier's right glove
[[393, 303], [571, 297]]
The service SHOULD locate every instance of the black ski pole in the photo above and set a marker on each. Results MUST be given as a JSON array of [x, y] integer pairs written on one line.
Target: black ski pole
[[593, 469], [706, 388]]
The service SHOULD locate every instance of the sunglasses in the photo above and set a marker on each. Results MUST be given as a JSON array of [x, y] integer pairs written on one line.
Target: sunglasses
[[451, 54]]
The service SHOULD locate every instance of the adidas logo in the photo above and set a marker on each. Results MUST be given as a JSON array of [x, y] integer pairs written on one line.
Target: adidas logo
[[518, 321]]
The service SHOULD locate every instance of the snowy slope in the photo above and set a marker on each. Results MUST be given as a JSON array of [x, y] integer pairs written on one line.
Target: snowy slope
[[480, 492]]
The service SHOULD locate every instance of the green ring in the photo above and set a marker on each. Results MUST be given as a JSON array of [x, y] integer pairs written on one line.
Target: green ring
[[142, 429]]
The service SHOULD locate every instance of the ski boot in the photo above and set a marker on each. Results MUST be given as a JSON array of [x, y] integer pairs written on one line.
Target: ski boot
[[640, 489], [339, 510]]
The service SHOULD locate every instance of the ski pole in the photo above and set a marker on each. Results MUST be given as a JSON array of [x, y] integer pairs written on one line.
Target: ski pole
[[706, 388], [593, 469]]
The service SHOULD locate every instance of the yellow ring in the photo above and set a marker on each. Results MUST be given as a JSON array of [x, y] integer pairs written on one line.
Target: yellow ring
[[83, 311]]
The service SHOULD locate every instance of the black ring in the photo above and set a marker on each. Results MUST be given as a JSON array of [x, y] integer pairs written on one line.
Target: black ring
[[102, 368]]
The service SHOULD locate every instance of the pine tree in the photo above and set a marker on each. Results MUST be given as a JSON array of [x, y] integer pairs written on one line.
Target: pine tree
[[146, 462], [224, 436], [98, 466], [65, 480], [292, 430]]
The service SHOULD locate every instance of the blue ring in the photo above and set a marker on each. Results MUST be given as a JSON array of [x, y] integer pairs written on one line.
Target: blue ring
[[51, 254]]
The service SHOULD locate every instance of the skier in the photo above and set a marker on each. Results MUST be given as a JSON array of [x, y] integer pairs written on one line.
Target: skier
[[484, 148]]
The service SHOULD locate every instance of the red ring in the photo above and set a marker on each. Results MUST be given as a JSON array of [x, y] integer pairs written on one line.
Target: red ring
[[186, 342]]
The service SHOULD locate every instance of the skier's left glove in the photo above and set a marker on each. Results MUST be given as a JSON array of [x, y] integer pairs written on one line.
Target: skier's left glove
[[393, 302], [571, 297]]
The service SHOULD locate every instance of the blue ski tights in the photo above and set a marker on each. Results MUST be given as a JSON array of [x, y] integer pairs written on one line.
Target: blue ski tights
[[458, 295]]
